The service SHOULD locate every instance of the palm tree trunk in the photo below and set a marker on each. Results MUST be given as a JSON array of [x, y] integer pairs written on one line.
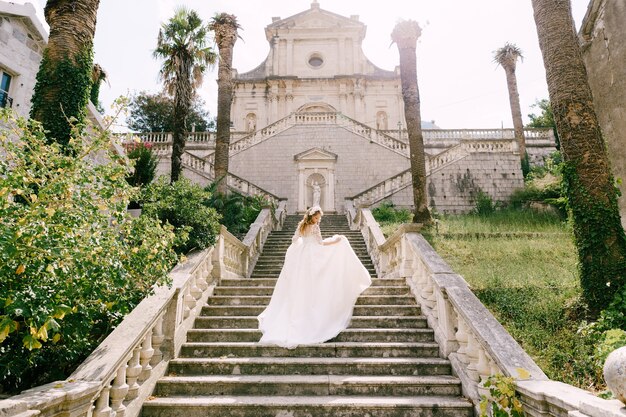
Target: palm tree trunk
[[411, 97], [224, 101], [64, 79], [587, 174], [516, 112], [182, 104]]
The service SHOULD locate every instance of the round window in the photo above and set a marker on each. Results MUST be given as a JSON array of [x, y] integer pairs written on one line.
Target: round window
[[316, 61]]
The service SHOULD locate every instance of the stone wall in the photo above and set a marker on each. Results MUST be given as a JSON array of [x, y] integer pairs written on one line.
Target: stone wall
[[454, 188], [603, 36], [359, 163], [21, 47]]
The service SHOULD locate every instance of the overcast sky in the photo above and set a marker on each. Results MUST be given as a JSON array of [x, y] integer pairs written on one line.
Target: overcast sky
[[460, 86]]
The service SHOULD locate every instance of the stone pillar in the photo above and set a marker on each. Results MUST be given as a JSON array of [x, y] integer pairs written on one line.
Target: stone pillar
[[341, 55], [330, 191], [355, 57], [301, 190], [275, 52], [289, 57]]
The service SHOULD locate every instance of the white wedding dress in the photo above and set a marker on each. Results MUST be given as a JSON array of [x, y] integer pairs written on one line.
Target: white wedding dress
[[315, 292]]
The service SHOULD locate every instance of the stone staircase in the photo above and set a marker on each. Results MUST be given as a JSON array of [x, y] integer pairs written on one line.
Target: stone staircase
[[385, 364]]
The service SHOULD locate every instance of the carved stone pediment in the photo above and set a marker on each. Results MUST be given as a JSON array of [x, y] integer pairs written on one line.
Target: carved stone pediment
[[315, 154]]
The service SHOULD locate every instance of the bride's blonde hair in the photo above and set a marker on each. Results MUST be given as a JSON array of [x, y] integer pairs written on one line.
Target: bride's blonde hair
[[307, 220]]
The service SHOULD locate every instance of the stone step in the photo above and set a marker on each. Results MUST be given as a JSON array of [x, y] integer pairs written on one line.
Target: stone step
[[359, 310], [270, 282], [322, 350], [318, 385], [309, 366], [247, 300], [357, 322], [259, 290], [348, 335], [307, 406]]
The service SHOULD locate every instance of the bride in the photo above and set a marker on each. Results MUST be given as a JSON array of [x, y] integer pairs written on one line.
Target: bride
[[316, 289]]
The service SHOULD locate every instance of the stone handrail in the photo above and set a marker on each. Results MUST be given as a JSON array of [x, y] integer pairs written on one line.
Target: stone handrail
[[468, 334], [234, 182], [261, 135], [392, 139], [373, 135], [122, 372], [434, 163]]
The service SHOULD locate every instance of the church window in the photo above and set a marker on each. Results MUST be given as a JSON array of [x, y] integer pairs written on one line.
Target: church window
[[316, 61]]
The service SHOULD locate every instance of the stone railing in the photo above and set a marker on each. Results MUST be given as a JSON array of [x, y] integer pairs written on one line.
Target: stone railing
[[116, 379], [373, 135], [204, 167], [383, 189], [395, 183], [468, 334], [532, 135]]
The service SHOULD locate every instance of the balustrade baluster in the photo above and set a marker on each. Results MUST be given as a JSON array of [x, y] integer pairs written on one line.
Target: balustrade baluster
[[157, 340], [119, 390], [102, 408], [132, 373], [461, 336], [473, 349], [144, 357]]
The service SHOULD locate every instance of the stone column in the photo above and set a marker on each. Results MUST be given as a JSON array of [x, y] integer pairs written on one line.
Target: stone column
[[330, 191], [355, 57], [289, 57], [301, 190], [341, 55]]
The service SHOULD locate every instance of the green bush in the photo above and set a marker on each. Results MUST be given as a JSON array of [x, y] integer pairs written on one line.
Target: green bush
[[71, 262], [186, 207], [484, 204], [386, 212], [144, 163], [237, 211]]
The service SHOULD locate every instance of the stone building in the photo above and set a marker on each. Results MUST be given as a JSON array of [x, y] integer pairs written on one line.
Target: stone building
[[317, 113], [603, 36], [22, 41]]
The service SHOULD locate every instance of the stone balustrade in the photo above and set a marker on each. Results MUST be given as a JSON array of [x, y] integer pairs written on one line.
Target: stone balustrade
[[121, 373], [468, 335], [391, 139], [397, 182], [206, 168]]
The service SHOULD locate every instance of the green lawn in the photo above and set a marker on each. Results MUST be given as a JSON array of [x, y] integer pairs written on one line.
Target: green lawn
[[522, 266]]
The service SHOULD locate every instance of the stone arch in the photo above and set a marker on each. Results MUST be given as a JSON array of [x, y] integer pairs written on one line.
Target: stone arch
[[317, 108]]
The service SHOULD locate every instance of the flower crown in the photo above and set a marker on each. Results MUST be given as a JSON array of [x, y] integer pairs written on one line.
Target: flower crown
[[313, 210]]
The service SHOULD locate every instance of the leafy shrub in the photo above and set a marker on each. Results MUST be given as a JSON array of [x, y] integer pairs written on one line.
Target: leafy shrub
[[186, 207], [71, 262], [144, 163], [611, 340], [484, 204], [237, 211], [386, 212]]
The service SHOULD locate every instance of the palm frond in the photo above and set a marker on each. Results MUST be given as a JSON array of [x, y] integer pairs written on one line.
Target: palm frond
[[507, 55]]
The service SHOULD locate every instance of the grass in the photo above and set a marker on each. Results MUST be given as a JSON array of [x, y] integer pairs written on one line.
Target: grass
[[523, 266]]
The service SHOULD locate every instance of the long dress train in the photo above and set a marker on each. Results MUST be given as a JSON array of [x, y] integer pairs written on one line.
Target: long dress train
[[315, 292]]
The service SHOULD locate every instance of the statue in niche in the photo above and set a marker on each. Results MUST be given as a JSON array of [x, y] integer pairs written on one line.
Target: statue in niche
[[251, 122], [317, 193], [381, 121]]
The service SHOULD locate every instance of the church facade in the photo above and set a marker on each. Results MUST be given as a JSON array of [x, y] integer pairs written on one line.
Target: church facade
[[318, 122]]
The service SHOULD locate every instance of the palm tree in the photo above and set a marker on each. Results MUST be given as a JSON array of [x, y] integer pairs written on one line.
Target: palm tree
[[182, 44], [64, 78], [98, 75], [507, 57], [225, 27], [590, 185], [405, 35]]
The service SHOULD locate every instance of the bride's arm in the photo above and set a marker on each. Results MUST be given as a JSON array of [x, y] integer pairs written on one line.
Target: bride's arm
[[328, 241]]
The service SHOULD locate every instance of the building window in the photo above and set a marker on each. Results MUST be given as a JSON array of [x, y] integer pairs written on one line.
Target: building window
[[5, 84], [316, 61]]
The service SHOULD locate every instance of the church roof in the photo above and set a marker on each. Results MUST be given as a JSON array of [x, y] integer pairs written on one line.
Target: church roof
[[315, 18]]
